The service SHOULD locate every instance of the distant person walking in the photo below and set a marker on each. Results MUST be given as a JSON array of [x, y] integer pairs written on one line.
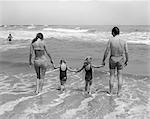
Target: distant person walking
[[117, 48], [10, 37], [40, 60]]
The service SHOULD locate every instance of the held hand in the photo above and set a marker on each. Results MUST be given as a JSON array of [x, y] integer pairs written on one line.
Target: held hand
[[76, 71], [30, 64], [54, 67], [103, 63], [126, 63], [52, 62]]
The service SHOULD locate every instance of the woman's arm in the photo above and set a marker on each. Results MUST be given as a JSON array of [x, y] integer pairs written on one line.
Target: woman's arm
[[30, 54], [48, 55]]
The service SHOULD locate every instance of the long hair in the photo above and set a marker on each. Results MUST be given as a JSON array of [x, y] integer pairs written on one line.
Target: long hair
[[39, 35]]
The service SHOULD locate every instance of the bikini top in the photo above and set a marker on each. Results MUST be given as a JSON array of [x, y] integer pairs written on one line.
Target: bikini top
[[38, 45]]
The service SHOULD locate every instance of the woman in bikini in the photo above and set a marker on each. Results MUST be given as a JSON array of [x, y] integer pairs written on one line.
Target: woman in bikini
[[40, 61]]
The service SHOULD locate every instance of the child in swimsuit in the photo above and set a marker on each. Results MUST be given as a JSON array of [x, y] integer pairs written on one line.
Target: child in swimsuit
[[87, 66], [63, 73]]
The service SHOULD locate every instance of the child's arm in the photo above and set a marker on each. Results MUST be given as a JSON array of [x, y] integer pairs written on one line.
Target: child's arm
[[71, 70], [80, 69], [56, 67], [97, 66]]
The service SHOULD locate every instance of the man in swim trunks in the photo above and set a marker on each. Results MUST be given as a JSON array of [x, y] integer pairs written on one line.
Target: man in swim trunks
[[117, 48], [40, 60]]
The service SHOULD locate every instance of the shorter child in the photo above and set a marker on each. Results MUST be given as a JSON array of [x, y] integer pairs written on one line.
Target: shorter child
[[63, 73], [87, 66]]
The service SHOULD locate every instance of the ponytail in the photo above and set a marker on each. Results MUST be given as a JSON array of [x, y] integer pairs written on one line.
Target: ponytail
[[39, 35]]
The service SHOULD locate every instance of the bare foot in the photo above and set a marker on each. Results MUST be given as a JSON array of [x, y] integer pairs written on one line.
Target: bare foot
[[108, 94], [36, 92], [118, 94]]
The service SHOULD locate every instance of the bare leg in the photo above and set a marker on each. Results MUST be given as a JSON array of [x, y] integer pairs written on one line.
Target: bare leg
[[61, 87], [119, 78], [37, 86], [64, 87], [43, 70], [112, 75], [90, 83], [37, 69], [86, 86]]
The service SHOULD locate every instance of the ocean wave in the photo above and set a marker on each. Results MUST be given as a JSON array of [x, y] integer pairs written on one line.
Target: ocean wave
[[11, 46], [77, 34], [31, 27], [76, 30]]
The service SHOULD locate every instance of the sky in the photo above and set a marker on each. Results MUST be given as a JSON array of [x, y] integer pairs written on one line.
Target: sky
[[75, 12]]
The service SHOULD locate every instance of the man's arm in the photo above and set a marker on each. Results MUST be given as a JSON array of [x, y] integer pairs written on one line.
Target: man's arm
[[126, 53], [106, 52]]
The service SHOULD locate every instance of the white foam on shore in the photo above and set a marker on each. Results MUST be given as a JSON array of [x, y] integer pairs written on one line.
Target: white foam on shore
[[120, 109], [9, 106], [69, 114], [3, 77], [131, 106], [44, 108]]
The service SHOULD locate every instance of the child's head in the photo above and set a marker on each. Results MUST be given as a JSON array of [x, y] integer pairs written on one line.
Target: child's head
[[62, 61], [115, 31], [88, 59]]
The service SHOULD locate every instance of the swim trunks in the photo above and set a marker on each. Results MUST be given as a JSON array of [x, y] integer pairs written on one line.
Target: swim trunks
[[116, 62]]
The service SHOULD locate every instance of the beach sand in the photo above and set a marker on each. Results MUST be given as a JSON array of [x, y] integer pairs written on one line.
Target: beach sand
[[17, 85]]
